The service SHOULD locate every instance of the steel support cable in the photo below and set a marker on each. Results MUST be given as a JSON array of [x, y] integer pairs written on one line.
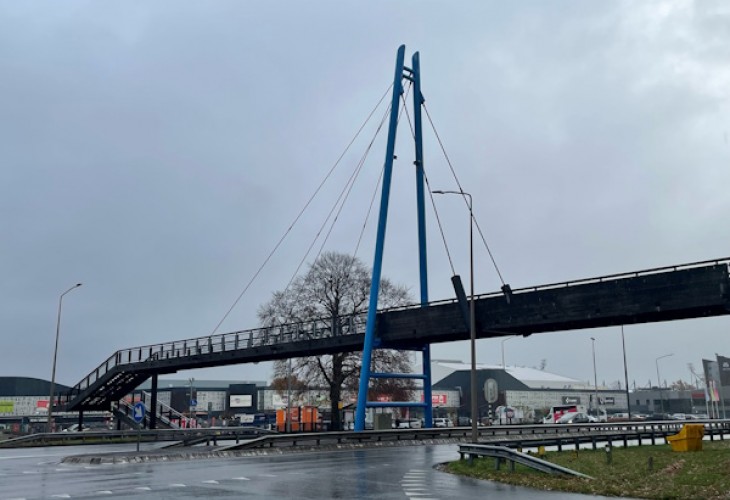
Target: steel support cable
[[375, 193], [360, 165], [301, 212], [370, 208], [433, 204], [453, 172], [344, 194]]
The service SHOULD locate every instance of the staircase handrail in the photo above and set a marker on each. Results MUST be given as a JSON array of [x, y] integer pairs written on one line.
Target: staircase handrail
[[223, 342]]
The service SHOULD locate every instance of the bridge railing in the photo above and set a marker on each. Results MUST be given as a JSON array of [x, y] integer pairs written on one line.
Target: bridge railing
[[583, 281], [224, 342]]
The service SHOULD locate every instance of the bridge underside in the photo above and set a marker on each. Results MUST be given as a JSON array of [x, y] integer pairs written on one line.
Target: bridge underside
[[664, 295]]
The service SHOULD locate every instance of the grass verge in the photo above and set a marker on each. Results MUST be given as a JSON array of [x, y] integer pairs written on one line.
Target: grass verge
[[640, 472]]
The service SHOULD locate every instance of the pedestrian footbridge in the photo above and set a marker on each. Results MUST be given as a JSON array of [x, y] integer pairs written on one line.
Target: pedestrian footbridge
[[678, 292]]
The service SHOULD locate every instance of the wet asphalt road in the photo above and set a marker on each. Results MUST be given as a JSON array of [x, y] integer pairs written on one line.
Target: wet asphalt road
[[392, 473]]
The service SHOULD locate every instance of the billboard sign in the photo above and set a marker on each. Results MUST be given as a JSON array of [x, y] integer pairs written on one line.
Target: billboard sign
[[241, 401], [712, 379], [723, 364]]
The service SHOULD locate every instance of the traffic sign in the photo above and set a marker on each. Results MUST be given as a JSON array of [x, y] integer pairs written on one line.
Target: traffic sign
[[193, 402], [139, 411]]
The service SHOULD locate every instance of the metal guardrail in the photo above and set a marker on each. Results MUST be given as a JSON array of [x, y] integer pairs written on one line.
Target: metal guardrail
[[505, 435], [106, 437], [514, 456]]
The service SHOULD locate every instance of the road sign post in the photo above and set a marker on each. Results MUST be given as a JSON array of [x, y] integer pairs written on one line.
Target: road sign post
[[138, 413]]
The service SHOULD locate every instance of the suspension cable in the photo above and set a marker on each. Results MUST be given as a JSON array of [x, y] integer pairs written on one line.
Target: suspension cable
[[370, 208], [301, 212], [438, 221], [342, 198], [344, 193], [433, 204], [377, 184], [360, 165], [453, 172]]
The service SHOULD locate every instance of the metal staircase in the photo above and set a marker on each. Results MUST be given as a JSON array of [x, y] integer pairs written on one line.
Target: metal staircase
[[126, 369], [165, 413]]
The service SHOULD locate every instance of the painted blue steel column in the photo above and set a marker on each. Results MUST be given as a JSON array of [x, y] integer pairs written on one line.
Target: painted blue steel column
[[421, 208], [362, 394]]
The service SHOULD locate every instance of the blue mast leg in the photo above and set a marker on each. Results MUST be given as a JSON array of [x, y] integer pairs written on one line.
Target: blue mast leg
[[362, 394], [418, 101]]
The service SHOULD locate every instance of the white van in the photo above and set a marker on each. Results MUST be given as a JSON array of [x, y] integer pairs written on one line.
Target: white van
[[558, 411]]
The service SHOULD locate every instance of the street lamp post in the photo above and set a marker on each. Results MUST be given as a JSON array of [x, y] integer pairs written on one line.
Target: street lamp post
[[55, 356], [626, 374], [472, 318], [659, 380], [595, 377], [503, 341]]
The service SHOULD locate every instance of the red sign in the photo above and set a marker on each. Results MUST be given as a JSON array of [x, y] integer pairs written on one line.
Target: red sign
[[437, 399], [41, 403]]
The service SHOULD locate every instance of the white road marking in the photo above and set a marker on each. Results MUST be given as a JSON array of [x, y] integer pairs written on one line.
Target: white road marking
[[267, 475], [62, 495], [414, 484], [104, 492], [211, 481], [177, 485], [143, 488], [241, 479]]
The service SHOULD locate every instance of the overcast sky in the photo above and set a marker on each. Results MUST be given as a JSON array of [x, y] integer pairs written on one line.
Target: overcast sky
[[156, 151]]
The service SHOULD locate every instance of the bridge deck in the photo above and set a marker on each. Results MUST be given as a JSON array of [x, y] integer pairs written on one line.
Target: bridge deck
[[678, 292]]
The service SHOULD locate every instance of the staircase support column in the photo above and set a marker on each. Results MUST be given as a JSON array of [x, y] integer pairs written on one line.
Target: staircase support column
[[81, 420], [153, 403]]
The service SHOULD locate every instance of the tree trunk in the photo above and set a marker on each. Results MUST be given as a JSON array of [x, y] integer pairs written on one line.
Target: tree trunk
[[336, 420], [336, 391]]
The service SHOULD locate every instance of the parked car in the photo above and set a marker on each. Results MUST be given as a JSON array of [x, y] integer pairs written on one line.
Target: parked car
[[412, 423], [442, 422], [463, 421], [576, 417], [659, 416], [76, 428]]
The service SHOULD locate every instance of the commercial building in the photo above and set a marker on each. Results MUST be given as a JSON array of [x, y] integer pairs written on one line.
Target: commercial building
[[528, 389]]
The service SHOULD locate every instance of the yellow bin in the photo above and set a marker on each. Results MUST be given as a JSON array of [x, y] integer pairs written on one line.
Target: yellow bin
[[688, 439]]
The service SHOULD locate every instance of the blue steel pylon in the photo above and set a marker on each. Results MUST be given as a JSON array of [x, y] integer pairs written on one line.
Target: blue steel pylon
[[413, 74]]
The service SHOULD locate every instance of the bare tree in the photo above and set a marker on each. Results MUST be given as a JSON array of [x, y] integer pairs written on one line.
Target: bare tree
[[338, 285]]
